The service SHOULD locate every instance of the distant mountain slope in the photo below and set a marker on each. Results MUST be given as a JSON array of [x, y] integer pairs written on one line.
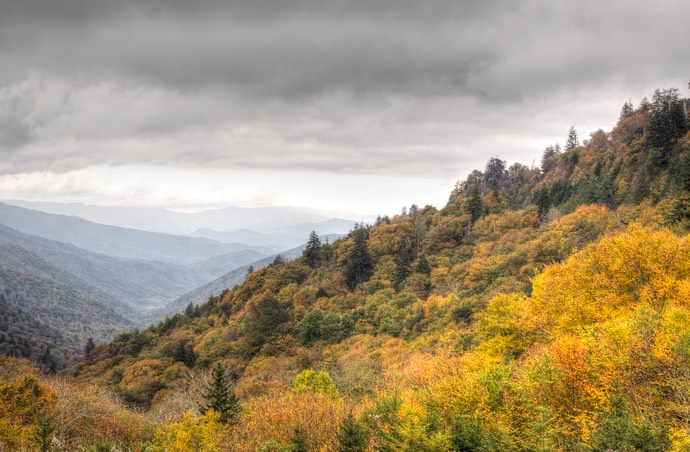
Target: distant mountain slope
[[141, 284], [58, 298], [278, 238], [216, 266], [22, 336], [240, 236], [112, 240]]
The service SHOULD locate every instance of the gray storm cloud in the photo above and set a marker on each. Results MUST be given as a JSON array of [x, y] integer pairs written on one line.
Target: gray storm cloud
[[381, 86]]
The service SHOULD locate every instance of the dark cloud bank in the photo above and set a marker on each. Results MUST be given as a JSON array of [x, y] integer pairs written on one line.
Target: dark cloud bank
[[417, 88]]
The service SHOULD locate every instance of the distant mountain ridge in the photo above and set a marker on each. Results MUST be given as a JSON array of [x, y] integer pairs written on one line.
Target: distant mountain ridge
[[113, 240], [285, 237], [156, 219], [142, 285]]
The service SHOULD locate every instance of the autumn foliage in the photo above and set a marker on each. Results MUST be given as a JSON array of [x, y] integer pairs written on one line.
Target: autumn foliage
[[540, 309]]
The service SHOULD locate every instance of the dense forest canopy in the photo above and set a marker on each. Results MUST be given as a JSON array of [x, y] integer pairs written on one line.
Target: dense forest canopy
[[543, 308]]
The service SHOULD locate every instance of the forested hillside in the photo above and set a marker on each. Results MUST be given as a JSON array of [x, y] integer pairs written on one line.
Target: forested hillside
[[58, 298], [541, 309]]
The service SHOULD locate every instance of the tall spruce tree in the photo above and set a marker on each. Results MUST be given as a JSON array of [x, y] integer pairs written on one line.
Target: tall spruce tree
[[572, 142], [219, 396], [627, 109], [403, 262], [88, 348], [312, 253], [548, 158], [352, 435], [667, 121], [494, 173], [475, 206], [358, 266]]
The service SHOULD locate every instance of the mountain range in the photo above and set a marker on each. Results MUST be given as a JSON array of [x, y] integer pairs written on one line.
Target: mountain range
[[87, 279]]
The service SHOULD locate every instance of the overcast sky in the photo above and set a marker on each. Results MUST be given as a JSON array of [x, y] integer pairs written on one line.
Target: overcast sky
[[363, 105]]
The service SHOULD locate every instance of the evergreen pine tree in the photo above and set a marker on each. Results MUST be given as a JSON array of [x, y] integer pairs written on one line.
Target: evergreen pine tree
[[627, 109], [312, 253], [476, 205], [572, 141], [543, 200], [279, 261], [43, 432], [548, 158], [47, 362], [423, 266], [299, 442], [358, 267], [494, 173], [667, 120], [88, 348], [219, 396], [352, 435], [402, 263]]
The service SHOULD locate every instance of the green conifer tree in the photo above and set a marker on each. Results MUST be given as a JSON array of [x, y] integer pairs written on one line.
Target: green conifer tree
[[312, 253], [572, 141], [358, 267], [423, 266], [352, 435], [219, 396], [300, 440], [88, 348], [476, 205]]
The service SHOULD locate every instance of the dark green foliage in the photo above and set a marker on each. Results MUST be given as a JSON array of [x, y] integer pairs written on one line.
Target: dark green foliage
[[184, 353], [88, 348], [263, 319], [475, 207], [382, 220], [329, 327], [279, 261], [43, 433], [543, 201], [667, 121], [494, 173], [387, 412], [358, 266], [571, 142], [617, 430], [312, 253], [627, 109], [47, 363], [219, 396], [129, 343], [469, 434], [194, 312], [168, 324], [423, 266], [548, 158], [300, 440], [403, 262], [352, 436], [310, 326], [463, 313]]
